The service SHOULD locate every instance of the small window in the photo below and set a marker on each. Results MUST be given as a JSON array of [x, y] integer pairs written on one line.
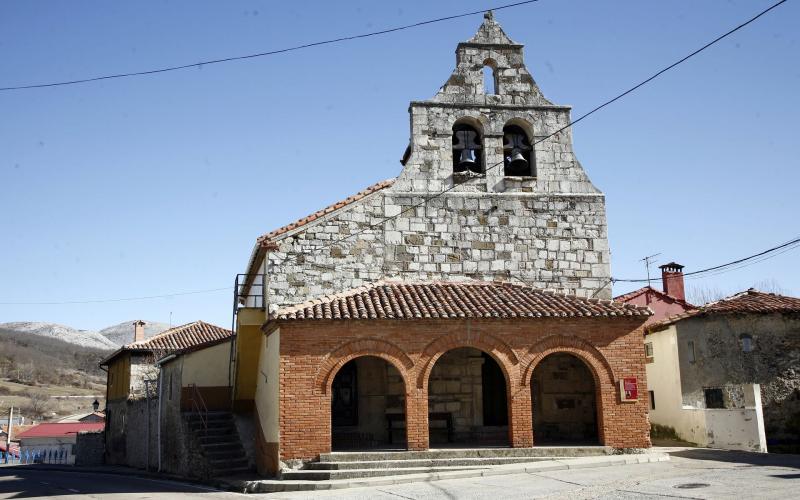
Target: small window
[[648, 351], [692, 355], [714, 398], [489, 80], [747, 343], [652, 397]]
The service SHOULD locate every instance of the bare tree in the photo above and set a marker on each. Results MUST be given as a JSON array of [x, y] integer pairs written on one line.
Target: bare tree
[[702, 295], [38, 403]]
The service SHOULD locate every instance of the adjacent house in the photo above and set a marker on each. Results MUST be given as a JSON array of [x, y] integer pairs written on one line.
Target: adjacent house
[[199, 436], [55, 439], [464, 303], [664, 303], [725, 375], [132, 388]]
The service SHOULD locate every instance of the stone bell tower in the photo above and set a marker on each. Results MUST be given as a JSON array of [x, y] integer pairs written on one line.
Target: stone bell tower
[[506, 109], [505, 197]]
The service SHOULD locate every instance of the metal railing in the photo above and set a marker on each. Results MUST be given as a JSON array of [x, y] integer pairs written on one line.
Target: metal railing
[[199, 406], [249, 290]]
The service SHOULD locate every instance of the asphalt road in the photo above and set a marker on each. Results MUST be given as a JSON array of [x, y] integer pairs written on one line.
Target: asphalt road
[[690, 474], [25, 482]]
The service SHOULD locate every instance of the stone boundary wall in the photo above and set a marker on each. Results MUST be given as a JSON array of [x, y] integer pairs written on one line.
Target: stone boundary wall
[[89, 448]]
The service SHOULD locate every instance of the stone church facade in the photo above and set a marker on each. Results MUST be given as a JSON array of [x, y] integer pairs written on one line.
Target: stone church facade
[[465, 302], [546, 229]]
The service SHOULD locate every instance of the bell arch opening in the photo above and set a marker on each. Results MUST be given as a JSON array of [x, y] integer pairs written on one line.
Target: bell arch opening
[[368, 406], [467, 400], [564, 397], [467, 148], [517, 152]]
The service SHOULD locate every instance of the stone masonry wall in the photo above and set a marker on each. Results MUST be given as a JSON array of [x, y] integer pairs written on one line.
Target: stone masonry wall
[[89, 448], [721, 363], [547, 230]]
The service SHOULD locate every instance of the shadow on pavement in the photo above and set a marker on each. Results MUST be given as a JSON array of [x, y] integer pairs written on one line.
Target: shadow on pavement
[[741, 457], [31, 482]]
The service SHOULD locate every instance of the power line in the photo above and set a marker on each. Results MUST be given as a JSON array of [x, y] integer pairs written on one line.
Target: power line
[[264, 54], [123, 299], [758, 257], [570, 124], [436, 195]]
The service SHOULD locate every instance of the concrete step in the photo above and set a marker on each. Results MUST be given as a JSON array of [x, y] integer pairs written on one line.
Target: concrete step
[[215, 432], [324, 475], [228, 453], [231, 471], [226, 463], [429, 462], [245, 485], [538, 451], [220, 445]]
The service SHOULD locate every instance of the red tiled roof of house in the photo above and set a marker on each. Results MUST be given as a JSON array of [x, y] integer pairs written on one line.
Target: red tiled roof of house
[[61, 429], [750, 301], [182, 337], [17, 429], [645, 289], [269, 238], [408, 300]]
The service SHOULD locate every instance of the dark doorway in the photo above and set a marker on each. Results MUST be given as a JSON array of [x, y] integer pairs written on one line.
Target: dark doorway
[[495, 406], [344, 400], [563, 396], [467, 404], [368, 406]]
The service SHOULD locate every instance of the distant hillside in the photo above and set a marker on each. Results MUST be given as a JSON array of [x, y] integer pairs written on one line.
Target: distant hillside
[[111, 337], [122, 333], [83, 338]]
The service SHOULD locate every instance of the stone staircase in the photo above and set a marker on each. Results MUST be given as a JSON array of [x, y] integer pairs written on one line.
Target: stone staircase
[[220, 443], [358, 465]]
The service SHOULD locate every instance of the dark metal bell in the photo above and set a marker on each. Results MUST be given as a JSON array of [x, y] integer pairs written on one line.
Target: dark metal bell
[[517, 164], [467, 160]]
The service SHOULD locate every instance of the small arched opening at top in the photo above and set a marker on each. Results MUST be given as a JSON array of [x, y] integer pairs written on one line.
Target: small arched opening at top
[[467, 147], [518, 158], [490, 77]]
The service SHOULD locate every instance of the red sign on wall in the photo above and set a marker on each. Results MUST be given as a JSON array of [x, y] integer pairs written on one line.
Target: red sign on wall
[[629, 389]]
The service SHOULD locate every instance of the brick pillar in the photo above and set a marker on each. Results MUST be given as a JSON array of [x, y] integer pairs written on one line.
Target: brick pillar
[[520, 419], [417, 420]]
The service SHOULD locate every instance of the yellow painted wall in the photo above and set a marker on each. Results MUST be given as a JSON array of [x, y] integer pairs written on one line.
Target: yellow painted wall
[[207, 367], [248, 343], [119, 377], [268, 391]]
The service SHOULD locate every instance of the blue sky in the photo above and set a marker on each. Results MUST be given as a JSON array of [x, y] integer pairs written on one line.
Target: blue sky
[[153, 185]]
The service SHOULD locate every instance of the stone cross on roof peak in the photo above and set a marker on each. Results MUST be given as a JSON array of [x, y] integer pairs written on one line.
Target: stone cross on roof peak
[[490, 33]]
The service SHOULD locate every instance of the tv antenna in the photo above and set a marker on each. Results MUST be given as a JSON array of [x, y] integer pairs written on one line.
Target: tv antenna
[[650, 259]]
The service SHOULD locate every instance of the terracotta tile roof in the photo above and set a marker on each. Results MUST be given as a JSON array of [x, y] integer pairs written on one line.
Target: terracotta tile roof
[[61, 429], [18, 429], [182, 337], [630, 295], [750, 301], [269, 238], [407, 300]]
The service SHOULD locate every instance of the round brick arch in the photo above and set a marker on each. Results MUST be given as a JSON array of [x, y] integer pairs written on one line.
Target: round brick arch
[[491, 345], [355, 349], [583, 350]]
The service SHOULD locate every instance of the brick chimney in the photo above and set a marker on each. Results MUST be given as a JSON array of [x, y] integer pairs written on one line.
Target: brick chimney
[[672, 280], [138, 330]]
